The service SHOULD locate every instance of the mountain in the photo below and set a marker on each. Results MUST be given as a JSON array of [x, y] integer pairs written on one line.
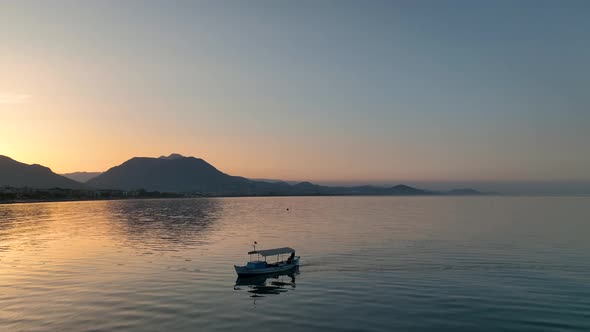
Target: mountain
[[17, 174], [176, 173], [81, 176], [172, 156]]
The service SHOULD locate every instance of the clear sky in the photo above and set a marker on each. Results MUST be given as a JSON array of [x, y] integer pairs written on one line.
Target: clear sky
[[307, 90]]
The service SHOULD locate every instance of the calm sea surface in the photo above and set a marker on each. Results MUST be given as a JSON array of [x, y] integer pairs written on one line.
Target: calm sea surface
[[368, 264]]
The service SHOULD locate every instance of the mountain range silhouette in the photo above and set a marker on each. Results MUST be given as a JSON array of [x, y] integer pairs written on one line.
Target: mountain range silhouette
[[179, 174]]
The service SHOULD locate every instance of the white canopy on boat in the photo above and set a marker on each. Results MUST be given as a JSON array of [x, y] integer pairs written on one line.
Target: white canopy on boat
[[272, 252]]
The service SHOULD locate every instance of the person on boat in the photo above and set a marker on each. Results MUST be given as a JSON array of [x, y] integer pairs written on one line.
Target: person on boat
[[290, 259]]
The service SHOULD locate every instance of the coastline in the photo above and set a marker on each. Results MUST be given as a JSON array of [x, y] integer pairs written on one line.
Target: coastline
[[25, 201], [28, 201]]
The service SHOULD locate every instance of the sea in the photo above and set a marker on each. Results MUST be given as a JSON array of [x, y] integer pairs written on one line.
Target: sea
[[477, 263]]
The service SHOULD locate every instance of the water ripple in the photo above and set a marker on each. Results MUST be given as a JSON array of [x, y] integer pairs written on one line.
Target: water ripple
[[368, 263]]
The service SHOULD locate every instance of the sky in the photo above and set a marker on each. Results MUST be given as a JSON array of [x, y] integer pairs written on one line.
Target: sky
[[325, 91]]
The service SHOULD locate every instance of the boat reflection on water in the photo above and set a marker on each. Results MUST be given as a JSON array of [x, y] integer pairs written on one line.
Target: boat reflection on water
[[267, 284]]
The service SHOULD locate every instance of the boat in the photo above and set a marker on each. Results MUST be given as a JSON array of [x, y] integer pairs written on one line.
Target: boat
[[273, 279], [259, 266]]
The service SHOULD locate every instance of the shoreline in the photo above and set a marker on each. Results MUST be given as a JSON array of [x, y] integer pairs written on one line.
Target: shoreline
[[254, 196], [27, 201]]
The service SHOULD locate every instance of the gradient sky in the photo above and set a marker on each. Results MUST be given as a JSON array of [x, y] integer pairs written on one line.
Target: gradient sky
[[314, 90]]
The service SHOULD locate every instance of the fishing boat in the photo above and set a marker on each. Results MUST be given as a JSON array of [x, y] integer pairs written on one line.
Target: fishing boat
[[259, 266]]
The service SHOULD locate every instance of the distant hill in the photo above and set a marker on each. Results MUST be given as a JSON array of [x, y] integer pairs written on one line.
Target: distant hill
[[464, 191], [81, 176], [17, 174], [274, 181], [401, 190]]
